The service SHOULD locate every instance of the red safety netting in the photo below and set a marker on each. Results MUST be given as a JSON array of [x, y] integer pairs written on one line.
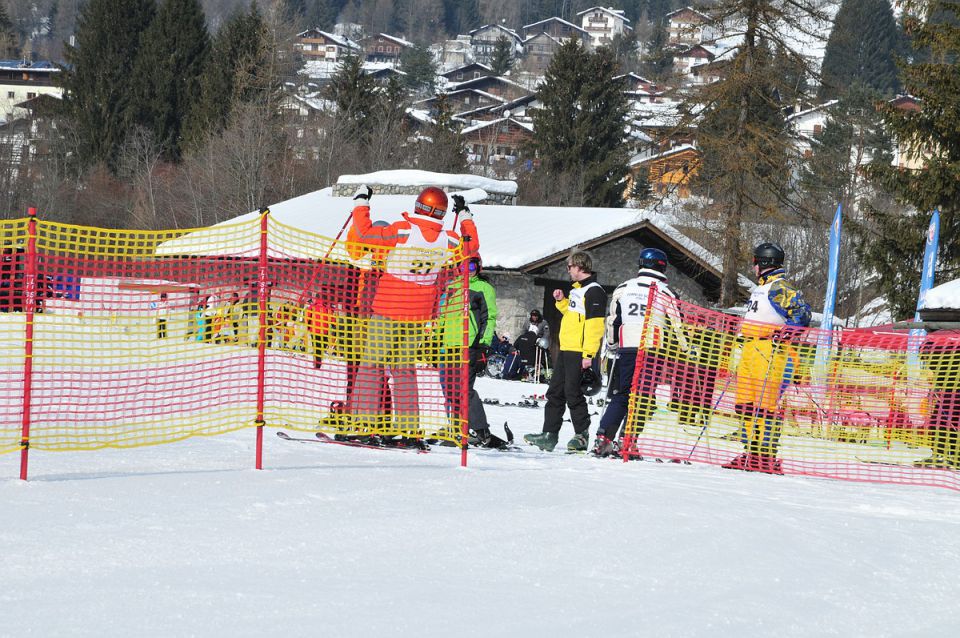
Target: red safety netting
[[115, 338], [854, 405]]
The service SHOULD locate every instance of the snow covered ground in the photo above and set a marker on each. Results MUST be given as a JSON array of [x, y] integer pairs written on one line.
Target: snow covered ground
[[189, 540]]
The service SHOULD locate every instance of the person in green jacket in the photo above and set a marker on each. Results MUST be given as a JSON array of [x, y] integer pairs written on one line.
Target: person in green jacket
[[482, 324]]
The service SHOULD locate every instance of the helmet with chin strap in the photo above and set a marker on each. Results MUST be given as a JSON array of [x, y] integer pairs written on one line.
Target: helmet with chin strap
[[768, 255], [432, 203]]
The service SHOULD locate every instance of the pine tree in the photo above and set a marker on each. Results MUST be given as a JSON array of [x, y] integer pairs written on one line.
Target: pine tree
[[354, 93], [931, 136], [234, 74], [740, 130], [98, 99], [445, 151], [420, 69], [502, 59], [641, 189], [8, 37], [862, 47], [579, 129], [461, 16], [657, 61], [168, 70]]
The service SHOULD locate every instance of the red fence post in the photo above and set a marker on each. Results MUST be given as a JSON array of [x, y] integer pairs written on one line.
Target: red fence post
[[262, 334], [29, 302]]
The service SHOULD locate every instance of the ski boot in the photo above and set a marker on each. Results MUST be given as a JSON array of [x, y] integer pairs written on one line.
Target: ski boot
[[485, 438], [739, 463], [579, 443], [603, 446], [546, 441]]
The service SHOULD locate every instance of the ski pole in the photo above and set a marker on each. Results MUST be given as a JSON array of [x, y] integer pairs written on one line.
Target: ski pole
[[337, 238]]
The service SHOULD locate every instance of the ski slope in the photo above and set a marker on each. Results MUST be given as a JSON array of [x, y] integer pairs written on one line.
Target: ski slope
[[189, 540]]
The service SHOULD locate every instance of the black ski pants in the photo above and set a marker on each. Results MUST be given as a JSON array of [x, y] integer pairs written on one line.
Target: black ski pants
[[564, 392]]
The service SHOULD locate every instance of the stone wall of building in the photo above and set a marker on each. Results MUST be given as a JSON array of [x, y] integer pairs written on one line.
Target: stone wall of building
[[347, 190]]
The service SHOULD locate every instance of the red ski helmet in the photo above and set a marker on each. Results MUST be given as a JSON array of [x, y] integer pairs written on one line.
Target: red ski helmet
[[431, 203]]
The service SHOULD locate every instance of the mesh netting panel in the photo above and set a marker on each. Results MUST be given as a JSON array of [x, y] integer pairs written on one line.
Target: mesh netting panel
[[854, 405], [143, 337]]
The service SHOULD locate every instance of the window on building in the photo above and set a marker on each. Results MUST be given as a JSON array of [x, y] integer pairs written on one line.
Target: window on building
[[10, 95], [817, 129], [30, 96]]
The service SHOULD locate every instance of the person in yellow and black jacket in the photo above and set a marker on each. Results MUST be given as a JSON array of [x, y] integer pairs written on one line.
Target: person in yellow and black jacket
[[581, 332], [775, 313]]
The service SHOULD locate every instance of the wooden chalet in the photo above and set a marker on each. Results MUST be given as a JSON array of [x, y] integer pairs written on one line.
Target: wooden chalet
[[667, 171], [385, 49]]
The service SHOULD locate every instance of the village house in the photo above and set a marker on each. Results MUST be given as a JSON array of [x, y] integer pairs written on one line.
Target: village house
[[603, 24], [385, 49], [484, 41], [317, 45], [686, 27], [22, 81]]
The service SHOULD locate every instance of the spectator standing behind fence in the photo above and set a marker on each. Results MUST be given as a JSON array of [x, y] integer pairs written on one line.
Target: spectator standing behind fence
[[162, 309], [624, 334], [767, 360], [318, 318], [406, 297], [581, 332]]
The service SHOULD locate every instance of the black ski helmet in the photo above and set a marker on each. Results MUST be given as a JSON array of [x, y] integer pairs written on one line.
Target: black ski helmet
[[768, 255], [590, 383], [653, 258]]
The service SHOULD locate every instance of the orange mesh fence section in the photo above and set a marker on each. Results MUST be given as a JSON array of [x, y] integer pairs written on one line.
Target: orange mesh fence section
[[142, 338], [853, 405]]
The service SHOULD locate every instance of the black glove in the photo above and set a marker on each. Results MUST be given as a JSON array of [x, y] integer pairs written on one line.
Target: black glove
[[364, 193], [459, 204]]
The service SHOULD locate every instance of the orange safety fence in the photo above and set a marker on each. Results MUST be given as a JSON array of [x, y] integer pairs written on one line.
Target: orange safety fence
[[121, 338], [856, 405]]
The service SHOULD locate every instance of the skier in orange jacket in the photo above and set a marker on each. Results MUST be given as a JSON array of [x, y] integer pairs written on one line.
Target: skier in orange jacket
[[406, 298]]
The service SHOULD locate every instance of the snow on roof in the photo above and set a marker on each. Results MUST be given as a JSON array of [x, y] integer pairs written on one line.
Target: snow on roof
[[944, 296], [555, 19], [481, 125], [400, 41], [616, 13], [21, 65], [812, 109], [411, 177], [646, 156], [506, 237]]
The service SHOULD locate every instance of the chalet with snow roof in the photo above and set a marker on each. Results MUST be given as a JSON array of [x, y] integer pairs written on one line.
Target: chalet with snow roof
[[385, 49], [467, 72], [538, 52], [603, 24], [494, 85], [462, 100], [451, 54], [518, 109], [668, 171], [317, 45], [557, 28], [690, 57], [807, 124], [483, 41], [686, 27], [902, 157], [498, 141], [23, 81]]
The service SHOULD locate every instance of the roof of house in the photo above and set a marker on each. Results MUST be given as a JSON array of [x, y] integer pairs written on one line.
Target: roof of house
[[483, 125], [555, 19], [616, 13], [504, 244]]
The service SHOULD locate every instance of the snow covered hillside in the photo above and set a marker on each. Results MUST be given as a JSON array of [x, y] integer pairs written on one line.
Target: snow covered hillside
[[189, 540]]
